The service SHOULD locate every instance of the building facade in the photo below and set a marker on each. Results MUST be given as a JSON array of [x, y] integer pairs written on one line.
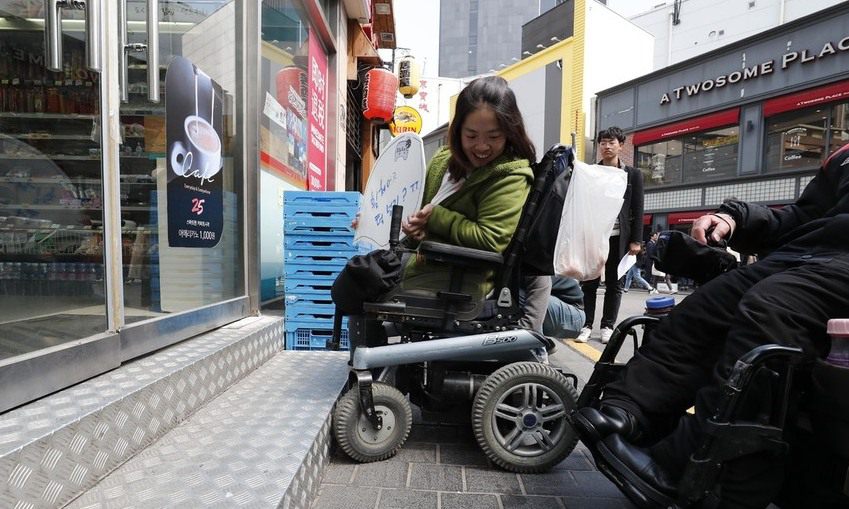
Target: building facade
[[699, 26], [477, 36], [752, 120]]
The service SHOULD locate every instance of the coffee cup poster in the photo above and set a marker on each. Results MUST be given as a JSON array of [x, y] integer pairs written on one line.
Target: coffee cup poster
[[193, 113]]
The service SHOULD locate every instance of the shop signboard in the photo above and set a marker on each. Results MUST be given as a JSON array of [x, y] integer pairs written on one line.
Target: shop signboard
[[317, 112], [194, 157]]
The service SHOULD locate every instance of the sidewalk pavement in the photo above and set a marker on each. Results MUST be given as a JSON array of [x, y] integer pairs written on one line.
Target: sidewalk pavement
[[442, 467]]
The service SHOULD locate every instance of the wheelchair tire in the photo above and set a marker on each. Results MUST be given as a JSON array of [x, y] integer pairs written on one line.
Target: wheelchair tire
[[355, 434], [519, 417]]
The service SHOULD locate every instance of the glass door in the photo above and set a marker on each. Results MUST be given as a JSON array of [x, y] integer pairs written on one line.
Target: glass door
[[181, 184], [119, 233], [51, 194]]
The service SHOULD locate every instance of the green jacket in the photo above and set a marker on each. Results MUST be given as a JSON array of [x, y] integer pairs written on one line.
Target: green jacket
[[482, 214]]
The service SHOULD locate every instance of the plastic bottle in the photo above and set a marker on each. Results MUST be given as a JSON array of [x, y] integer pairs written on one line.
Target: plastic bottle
[[838, 329], [658, 307]]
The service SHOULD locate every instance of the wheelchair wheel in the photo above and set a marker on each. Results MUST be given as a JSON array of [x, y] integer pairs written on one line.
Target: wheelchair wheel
[[355, 434], [519, 417]]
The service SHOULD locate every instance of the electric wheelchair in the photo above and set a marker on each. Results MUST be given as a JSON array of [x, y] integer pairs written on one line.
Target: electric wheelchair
[[775, 401], [453, 352]]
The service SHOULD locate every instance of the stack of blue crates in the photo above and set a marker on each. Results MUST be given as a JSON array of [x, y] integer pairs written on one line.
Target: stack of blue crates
[[318, 240]]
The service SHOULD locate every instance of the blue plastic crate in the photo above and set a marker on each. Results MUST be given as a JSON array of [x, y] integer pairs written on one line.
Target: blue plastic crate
[[292, 228], [319, 223], [318, 256], [308, 271], [325, 242], [305, 336], [309, 314], [325, 198], [309, 299], [319, 211], [308, 285]]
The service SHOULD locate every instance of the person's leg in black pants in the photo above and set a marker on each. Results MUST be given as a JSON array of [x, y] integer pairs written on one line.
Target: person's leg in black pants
[[612, 286]]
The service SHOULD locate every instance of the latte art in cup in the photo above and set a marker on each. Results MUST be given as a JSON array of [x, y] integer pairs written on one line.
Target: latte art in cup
[[203, 136]]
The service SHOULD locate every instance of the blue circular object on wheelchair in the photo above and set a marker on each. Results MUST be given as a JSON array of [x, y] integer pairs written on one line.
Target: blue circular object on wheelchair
[[660, 302]]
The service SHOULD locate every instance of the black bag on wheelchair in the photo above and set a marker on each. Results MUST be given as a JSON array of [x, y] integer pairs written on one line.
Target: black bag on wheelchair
[[366, 278]]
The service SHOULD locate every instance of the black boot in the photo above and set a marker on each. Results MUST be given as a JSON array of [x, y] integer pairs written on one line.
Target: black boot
[[594, 424], [640, 463]]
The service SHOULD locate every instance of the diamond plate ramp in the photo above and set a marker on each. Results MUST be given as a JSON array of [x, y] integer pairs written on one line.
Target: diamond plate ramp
[[55, 448], [261, 443]]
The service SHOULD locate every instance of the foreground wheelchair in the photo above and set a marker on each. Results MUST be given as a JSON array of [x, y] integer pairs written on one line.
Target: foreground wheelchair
[[453, 351], [775, 401]]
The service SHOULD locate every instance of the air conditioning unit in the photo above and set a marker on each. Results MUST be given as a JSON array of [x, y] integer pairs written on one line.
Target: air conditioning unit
[[359, 10]]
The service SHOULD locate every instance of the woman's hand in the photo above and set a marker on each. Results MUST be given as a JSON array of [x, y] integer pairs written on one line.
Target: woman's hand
[[415, 226], [718, 226]]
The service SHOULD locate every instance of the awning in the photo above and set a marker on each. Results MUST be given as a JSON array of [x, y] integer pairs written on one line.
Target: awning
[[685, 217], [703, 123], [806, 98]]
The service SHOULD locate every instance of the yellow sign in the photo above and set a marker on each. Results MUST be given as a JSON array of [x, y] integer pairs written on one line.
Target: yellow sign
[[405, 119]]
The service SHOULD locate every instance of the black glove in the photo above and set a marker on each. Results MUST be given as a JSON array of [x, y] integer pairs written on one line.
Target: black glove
[[681, 255]]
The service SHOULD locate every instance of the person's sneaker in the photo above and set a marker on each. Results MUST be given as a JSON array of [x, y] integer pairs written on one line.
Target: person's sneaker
[[584, 336], [606, 332], [653, 291], [624, 290]]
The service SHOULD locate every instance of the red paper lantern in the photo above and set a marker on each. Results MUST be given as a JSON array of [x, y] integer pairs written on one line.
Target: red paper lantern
[[380, 89]]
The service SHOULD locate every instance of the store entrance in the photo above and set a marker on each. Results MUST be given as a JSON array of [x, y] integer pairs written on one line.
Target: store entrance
[[101, 236]]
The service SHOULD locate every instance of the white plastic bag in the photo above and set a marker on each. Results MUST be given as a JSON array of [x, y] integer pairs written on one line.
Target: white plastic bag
[[593, 201]]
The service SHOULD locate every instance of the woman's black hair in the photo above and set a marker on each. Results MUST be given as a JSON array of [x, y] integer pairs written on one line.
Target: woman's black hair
[[492, 91]]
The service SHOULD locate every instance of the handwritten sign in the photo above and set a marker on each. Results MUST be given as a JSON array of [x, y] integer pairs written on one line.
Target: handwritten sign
[[396, 179]]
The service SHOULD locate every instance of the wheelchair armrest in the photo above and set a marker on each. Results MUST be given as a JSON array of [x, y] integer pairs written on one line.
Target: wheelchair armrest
[[457, 255]]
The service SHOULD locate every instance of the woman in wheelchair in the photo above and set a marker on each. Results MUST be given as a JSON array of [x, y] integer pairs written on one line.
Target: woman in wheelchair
[[636, 431], [452, 355], [473, 194]]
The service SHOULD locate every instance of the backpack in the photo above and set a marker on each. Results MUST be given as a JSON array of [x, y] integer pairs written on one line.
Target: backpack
[[537, 230]]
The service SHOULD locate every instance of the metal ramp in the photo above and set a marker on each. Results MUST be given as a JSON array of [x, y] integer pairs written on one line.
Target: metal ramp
[[225, 419]]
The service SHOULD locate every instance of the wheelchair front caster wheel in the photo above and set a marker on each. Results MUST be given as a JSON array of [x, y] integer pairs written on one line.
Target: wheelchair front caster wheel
[[519, 417], [355, 434]]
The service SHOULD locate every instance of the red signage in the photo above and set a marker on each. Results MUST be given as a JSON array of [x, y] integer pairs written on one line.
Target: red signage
[[812, 97], [685, 217], [317, 114], [703, 123]]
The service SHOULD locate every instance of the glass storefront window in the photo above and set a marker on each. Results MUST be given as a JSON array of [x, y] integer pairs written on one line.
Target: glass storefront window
[[839, 134], [796, 140], [660, 162], [711, 155]]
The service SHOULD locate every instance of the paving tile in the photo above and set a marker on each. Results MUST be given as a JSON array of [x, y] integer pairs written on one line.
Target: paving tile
[[551, 483], [386, 474], [469, 501], [575, 461], [596, 503], [345, 497], [441, 434], [484, 480], [338, 473], [428, 476], [416, 453], [594, 484], [520, 502], [462, 454], [407, 499]]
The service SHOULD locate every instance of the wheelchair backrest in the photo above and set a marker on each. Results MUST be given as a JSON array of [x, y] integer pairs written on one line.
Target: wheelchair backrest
[[532, 246]]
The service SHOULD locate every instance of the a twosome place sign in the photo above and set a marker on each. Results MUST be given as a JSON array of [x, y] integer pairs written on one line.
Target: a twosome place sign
[[757, 70]]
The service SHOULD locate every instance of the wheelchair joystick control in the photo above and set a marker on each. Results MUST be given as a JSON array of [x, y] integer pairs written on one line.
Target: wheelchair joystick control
[[838, 329], [395, 226]]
